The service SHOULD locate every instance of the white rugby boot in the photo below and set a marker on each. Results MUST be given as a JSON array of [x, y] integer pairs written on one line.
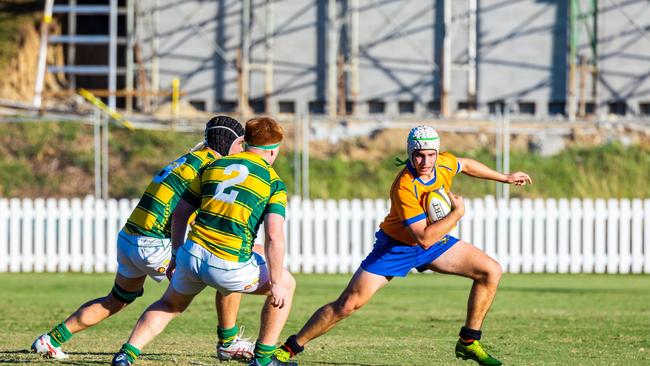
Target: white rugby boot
[[241, 349], [43, 346]]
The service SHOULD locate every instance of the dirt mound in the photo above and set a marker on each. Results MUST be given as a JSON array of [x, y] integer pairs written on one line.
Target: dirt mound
[[19, 76]]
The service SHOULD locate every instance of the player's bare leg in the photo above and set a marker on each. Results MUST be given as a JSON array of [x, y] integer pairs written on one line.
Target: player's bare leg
[[231, 346], [96, 310], [464, 259], [273, 318], [156, 317], [359, 291], [153, 321], [88, 315], [227, 308]]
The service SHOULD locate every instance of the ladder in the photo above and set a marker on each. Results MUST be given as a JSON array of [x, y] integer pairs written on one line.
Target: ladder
[[110, 69]]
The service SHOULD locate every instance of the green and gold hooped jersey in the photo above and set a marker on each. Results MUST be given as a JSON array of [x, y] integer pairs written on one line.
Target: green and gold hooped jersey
[[234, 195], [152, 216]]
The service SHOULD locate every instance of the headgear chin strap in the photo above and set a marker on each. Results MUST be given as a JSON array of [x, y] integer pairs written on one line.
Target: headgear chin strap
[[422, 138]]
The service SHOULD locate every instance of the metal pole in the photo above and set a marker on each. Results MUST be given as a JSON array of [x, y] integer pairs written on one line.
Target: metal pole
[[268, 50], [305, 156], [105, 164], [175, 102], [354, 54], [97, 143], [506, 150], [332, 50], [446, 62], [471, 52], [498, 149], [155, 44], [296, 155], [594, 54], [130, 43], [72, 51], [244, 67], [573, 40], [112, 55], [42, 54]]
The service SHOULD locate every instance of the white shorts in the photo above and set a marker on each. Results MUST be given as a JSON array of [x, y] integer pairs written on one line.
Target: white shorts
[[139, 256], [196, 268]]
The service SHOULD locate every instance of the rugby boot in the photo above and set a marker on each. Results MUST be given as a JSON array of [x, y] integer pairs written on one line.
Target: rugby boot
[[240, 349], [43, 346], [475, 351], [121, 359]]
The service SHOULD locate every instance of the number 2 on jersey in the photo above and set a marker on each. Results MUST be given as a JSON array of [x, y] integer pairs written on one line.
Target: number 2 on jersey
[[231, 196]]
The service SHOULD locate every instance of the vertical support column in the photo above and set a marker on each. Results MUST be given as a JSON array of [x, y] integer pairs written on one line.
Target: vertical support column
[[105, 156], [471, 52], [354, 54], [112, 55], [594, 54], [573, 40], [446, 62], [332, 51], [42, 53], [155, 42], [268, 51], [244, 59], [72, 50], [130, 43], [97, 158], [506, 150], [305, 155]]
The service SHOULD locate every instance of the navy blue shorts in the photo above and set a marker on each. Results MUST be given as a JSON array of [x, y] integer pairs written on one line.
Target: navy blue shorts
[[390, 257]]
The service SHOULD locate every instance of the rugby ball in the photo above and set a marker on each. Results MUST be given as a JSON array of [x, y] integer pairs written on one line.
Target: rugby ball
[[437, 205]]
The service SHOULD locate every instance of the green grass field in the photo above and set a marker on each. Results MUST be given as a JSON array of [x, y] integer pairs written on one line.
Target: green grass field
[[536, 320]]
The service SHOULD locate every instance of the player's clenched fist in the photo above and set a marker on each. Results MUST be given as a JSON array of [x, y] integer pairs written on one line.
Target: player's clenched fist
[[457, 203]]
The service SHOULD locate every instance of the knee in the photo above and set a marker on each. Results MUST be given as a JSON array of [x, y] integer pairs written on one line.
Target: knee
[[490, 274], [113, 304], [289, 281]]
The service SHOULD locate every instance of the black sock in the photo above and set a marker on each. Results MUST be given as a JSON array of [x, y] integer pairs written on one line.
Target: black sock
[[468, 335], [292, 346]]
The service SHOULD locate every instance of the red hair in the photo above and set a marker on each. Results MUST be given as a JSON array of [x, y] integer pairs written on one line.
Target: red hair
[[263, 131]]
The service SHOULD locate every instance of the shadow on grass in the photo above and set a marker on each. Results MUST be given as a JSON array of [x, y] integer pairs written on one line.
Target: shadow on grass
[[23, 356], [343, 363]]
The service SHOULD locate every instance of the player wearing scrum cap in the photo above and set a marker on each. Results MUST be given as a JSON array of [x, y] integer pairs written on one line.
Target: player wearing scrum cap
[[144, 245], [234, 195], [405, 241]]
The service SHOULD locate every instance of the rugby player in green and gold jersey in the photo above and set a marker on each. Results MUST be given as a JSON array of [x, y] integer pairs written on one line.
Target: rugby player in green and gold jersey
[[235, 195], [144, 243]]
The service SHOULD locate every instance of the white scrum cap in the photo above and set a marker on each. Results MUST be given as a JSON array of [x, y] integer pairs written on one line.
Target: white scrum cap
[[422, 138]]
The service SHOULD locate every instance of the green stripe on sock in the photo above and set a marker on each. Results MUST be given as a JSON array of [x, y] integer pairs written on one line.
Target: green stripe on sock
[[263, 353], [227, 336], [59, 335], [131, 352]]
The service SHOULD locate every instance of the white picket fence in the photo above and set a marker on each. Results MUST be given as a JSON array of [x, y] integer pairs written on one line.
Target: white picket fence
[[327, 236]]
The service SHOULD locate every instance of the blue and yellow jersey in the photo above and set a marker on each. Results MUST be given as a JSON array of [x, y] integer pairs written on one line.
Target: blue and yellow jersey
[[234, 194], [407, 196], [152, 216]]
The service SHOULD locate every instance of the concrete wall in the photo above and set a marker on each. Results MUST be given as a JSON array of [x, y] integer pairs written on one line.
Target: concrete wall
[[522, 52]]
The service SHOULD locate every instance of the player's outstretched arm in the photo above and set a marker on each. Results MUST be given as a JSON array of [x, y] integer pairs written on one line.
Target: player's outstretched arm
[[274, 248], [181, 214], [427, 235], [477, 169]]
